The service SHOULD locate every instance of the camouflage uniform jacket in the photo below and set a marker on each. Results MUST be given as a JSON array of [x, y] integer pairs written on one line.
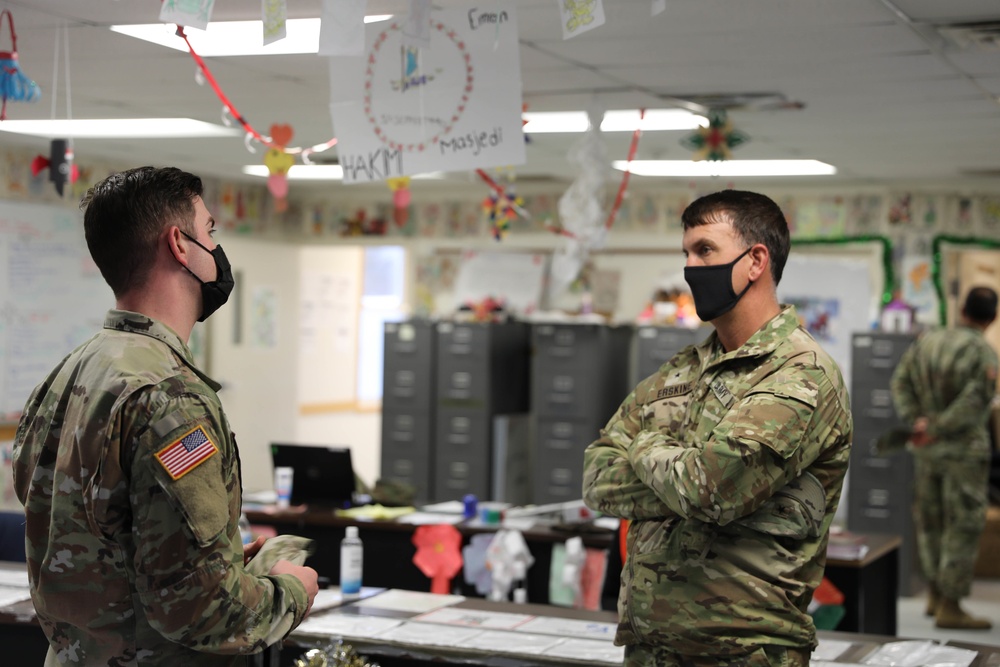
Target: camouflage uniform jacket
[[730, 467], [128, 565], [948, 376]]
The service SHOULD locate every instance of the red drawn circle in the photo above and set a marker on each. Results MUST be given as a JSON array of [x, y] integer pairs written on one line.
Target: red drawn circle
[[380, 132]]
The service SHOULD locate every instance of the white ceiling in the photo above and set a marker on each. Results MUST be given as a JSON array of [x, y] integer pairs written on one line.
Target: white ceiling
[[884, 97]]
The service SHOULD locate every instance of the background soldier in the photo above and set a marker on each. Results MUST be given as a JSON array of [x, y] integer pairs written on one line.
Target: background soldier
[[943, 386]]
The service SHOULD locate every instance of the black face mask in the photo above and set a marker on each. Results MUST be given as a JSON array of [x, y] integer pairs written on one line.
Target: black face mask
[[712, 288], [216, 292]]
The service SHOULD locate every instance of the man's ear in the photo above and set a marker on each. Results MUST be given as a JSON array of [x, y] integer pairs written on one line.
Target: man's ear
[[177, 244], [761, 261]]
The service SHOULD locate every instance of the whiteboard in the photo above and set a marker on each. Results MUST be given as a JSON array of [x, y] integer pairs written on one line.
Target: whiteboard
[[52, 296]]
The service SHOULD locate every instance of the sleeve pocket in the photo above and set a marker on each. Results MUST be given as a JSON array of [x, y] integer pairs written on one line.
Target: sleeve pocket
[[775, 419]]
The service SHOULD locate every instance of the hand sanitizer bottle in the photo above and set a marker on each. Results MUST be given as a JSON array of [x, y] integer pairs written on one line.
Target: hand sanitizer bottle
[[351, 559]]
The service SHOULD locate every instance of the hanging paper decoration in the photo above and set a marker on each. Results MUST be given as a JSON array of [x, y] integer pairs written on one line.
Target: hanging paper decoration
[[715, 141], [580, 16], [193, 13], [278, 163], [14, 85], [401, 196], [59, 163], [438, 555]]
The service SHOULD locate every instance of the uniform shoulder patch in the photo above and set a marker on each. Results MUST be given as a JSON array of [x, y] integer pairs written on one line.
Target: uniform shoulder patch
[[187, 453]]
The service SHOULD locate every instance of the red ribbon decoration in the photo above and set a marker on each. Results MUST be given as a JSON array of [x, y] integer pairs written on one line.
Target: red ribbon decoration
[[624, 184], [236, 114]]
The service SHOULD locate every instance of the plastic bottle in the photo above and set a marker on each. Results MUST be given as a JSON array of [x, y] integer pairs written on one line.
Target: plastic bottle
[[245, 533], [351, 559]]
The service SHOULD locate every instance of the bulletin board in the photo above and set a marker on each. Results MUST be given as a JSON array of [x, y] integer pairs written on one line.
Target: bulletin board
[[52, 296]]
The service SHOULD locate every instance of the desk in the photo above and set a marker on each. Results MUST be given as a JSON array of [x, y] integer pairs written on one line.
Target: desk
[[389, 550], [870, 586]]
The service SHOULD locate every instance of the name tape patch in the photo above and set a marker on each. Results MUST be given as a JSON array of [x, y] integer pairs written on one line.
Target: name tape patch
[[187, 453]]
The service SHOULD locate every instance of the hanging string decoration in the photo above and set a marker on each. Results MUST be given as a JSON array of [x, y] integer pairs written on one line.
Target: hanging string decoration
[[715, 141], [14, 85], [623, 186], [401, 197], [230, 111], [937, 257], [59, 163], [278, 163]]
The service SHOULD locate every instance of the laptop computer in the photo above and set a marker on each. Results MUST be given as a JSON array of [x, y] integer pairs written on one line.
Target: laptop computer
[[323, 476]]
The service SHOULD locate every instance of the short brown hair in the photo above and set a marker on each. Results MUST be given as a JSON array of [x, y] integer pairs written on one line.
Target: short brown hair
[[125, 214], [755, 217]]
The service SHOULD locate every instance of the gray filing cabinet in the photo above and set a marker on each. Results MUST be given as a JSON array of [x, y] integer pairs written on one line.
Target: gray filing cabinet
[[408, 402], [481, 411], [579, 376], [655, 345], [880, 488]]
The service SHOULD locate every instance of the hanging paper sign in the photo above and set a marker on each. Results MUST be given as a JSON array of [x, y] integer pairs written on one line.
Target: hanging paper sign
[[400, 111], [190, 13], [580, 16], [417, 31], [274, 13], [342, 28]]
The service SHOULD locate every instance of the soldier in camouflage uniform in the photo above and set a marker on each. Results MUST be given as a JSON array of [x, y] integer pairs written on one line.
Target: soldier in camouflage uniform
[[728, 462], [943, 386], [127, 468]]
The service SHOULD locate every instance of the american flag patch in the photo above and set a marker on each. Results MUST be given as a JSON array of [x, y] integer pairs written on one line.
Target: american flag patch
[[183, 456]]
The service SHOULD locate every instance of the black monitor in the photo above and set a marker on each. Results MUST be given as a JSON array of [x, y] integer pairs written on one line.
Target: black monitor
[[323, 477]]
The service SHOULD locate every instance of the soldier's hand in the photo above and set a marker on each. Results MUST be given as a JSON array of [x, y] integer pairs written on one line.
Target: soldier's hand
[[307, 575], [250, 550]]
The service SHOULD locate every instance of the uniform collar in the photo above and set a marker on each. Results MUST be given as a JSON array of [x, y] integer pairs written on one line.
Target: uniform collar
[[762, 343], [137, 323]]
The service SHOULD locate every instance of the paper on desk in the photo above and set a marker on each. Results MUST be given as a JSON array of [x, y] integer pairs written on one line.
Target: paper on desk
[[507, 642], [346, 626], [830, 649], [429, 518], [428, 634], [412, 601], [570, 627], [9, 596], [474, 618], [447, 507], [589, 650], [374, 512], [16, 578]]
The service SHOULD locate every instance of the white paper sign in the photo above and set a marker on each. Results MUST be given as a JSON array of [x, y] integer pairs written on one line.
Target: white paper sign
[[342, 28], [190, 13], [274, 13], [580, 17], [455, 106]]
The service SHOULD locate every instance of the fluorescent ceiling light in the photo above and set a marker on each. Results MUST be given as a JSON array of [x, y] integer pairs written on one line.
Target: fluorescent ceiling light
[[614, 121], [235, 38], [120, 128], [688, 168], [320, 172]]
